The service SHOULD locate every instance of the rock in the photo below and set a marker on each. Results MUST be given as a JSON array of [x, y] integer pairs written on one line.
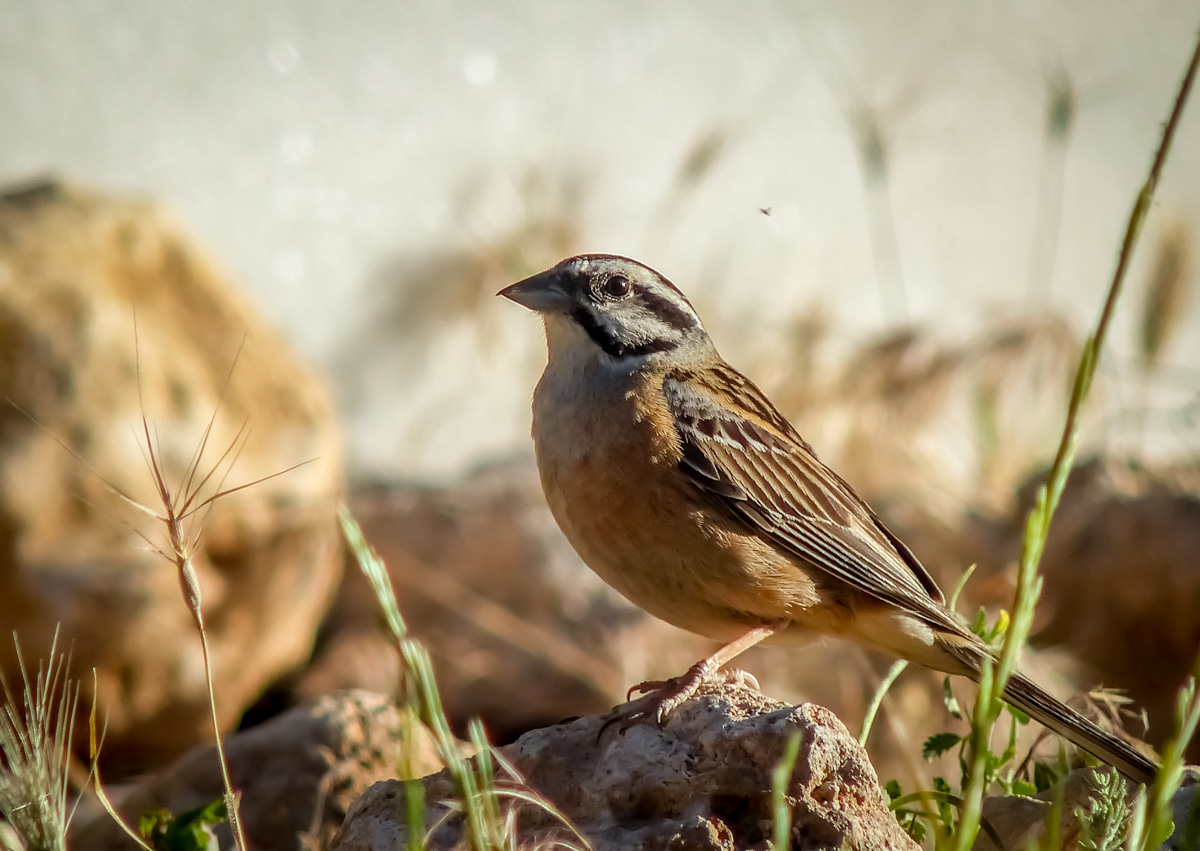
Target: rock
[[75, 266], [1121, 583], [297, 775], [1019, 821], [521, 632], [703, 781], [1185, 806]]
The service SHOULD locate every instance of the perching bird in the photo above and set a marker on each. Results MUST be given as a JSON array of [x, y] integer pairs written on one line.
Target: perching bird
[[680, 484]]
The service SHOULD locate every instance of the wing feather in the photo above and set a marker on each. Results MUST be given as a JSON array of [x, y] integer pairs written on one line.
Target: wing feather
[[758, 465]]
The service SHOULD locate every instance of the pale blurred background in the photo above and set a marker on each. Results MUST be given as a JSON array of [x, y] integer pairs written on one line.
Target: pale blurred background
[[899, 218], [373, 172]]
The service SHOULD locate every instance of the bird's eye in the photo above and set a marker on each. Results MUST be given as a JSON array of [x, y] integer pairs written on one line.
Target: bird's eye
[[616, 286]]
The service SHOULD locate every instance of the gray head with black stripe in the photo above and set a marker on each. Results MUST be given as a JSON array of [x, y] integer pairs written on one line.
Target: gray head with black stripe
[[627, 310]]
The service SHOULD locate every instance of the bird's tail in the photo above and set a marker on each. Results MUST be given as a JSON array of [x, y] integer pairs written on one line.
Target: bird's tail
[[1039, 704], [1033, 700]]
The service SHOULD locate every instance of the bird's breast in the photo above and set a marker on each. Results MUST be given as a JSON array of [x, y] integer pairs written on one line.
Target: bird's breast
[[608, 456]]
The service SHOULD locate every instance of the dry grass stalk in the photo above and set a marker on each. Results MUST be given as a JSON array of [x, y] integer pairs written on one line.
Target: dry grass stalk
[[179, 507], [429, 293], [1168, 292], [699, 161], [183, 516], [35, 745]]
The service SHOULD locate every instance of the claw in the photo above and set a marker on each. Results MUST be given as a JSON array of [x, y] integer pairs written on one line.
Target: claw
[[659, 699], [736, 676], [647, 686]]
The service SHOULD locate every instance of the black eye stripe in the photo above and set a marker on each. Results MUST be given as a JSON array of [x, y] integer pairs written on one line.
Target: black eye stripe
[[667, 310], [611, 345]]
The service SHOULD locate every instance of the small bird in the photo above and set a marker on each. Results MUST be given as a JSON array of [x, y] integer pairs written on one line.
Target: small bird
[[680, 484]]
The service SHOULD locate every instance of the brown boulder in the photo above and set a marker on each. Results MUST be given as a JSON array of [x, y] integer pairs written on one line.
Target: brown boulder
[[1121, 584], [702, 781], [75, 266], [297, 775]]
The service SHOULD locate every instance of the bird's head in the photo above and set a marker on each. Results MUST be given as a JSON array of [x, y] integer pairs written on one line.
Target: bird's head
[[624, 309]]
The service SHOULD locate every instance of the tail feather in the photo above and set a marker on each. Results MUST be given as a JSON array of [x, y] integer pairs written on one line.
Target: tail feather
[[1039, 704], [1034, 701]]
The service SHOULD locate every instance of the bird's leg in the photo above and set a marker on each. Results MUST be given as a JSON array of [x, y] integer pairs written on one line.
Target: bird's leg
[[664, 696]]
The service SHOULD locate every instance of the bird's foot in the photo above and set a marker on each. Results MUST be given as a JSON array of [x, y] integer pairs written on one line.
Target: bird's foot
[[732, 676], [659, 698], [662, 697]]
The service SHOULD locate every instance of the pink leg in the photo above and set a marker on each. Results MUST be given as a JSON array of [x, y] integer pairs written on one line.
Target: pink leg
[[663, 697]]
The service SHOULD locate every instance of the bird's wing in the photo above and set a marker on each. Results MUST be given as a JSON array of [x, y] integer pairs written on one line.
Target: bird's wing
[[758, 465]]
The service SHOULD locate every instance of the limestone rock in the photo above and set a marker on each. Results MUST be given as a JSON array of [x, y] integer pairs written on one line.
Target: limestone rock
[[703, 781], [297, 774], [75, 267]]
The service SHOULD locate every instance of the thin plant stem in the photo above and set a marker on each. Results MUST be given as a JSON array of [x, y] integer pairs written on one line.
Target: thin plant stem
[[1153, 825], [484, 829], [231, 797], [94, 752], [780, 778], [885, 685], [995, 675]]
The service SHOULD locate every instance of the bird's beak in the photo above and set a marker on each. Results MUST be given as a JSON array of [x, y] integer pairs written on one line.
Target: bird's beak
[[543, 293]]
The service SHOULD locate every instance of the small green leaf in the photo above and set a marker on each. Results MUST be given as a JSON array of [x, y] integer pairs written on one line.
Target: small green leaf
[[945, 811], [952, 704], [915, 828], [938, 744], [1024, 788], [187, 831], [1044, 776], [979, 625], [1001, 625], [150, 821], [1021, 717], [892, 787]]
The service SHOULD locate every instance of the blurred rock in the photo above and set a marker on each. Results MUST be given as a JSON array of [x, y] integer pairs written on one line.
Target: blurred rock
[[702, 781], [521, 632], [75, 267], [1122, 582], [297, 774], [1185, 809]]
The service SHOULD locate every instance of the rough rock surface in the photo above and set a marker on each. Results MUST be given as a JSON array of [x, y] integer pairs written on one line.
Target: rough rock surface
[[297, 774], [703, 781], [74, 268]]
